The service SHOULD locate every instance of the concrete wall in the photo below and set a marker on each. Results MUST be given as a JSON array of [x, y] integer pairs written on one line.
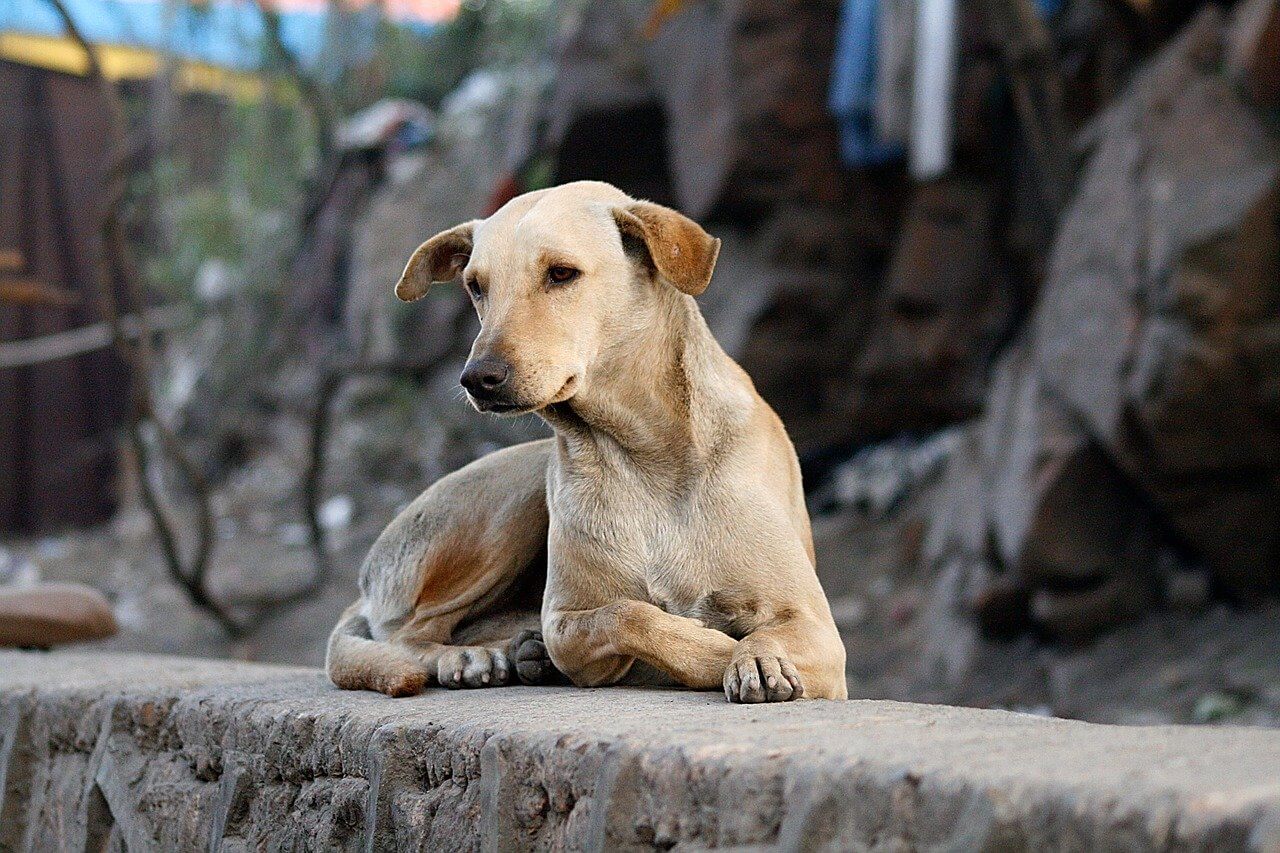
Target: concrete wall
[[128, 752]]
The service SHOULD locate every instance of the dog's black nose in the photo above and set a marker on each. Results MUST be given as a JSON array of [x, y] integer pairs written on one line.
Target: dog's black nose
[[484, 376]]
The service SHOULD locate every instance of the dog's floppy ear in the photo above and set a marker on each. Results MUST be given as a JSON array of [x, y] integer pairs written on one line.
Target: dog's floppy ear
[[681, 251], [439, 259]]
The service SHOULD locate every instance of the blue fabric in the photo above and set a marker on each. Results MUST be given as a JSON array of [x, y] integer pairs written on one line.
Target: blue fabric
[[1049, 8], [852, 96]]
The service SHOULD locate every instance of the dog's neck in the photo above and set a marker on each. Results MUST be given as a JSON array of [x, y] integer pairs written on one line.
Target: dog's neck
[[663, 399]]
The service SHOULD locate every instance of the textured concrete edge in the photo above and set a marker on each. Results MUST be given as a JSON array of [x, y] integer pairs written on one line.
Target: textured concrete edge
[[255, 758]]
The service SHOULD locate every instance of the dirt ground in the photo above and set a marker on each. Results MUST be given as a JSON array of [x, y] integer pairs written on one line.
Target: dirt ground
[[1215, 664]]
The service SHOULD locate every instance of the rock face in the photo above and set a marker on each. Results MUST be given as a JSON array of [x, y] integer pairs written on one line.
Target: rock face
[[1134, 426], [139, 753], [942, 310], [742, 89], [1160, 327]]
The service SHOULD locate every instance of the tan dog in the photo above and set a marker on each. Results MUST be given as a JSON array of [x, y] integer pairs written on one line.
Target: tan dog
[[667, 512]]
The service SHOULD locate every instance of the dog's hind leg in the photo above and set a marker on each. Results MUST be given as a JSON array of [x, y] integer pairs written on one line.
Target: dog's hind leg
[[356, 661], [456, 555], [516, 633]]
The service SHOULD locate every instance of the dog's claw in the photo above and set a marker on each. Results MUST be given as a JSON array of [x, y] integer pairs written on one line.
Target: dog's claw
[[731, 684], [762, 679], [473, 667]]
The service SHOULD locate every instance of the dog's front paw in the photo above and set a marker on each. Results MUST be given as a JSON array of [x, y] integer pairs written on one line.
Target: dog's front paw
[[473, 666], [762, 678], [533, 664]]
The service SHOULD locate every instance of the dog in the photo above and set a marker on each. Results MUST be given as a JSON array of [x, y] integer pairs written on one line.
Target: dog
[[663, 528]]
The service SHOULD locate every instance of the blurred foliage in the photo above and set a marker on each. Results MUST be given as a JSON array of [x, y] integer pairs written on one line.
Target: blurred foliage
[[217, 205], [229, 204], [486, 33], [225, 188]]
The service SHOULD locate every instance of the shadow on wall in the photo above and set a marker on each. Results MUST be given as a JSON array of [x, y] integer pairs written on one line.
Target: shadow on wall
[[626, 147]]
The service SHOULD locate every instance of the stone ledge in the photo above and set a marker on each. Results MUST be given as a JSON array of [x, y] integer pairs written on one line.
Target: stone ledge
[[145, 753]]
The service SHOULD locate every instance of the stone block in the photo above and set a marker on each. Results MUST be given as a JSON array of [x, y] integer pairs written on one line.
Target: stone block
[[148, 753]]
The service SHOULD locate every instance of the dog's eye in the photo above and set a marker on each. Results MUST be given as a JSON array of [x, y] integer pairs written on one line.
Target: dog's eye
[[473, 287], [561, 274]]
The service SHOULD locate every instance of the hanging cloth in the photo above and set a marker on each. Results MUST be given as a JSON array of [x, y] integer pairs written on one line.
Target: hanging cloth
[[933, 84], [893, 70], [933, 89], [852, 96]]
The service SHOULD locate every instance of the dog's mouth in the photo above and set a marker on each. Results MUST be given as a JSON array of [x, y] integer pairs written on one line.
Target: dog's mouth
[[506, 407], [499, 406], [496, 407], [567, 390]]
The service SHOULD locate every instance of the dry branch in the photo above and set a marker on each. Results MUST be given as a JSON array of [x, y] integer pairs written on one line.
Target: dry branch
[[310, 92], [135, 349], [85, 339], [332, 380]]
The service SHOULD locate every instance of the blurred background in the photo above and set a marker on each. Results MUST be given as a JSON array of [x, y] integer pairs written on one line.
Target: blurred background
[[1009, 270]]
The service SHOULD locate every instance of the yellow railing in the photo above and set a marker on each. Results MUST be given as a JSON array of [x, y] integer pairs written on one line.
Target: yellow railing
[[127, 62]]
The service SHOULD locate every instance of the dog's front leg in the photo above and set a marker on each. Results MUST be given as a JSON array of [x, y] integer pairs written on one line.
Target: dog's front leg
[[598, 646], [793, 656]]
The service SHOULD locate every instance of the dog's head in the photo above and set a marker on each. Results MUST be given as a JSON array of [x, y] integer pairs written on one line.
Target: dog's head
[[556, 276]]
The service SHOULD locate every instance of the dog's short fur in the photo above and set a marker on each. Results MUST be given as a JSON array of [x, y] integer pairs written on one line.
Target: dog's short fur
[[665, 520]]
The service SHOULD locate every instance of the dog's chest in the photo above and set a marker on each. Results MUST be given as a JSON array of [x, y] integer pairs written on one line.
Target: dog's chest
[[651, 547], [614, 533], [653, 553]]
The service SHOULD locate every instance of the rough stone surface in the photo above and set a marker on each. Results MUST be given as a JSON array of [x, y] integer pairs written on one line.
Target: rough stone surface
[[742, 87], [142, 753], [1157, 327], [1129, 441]]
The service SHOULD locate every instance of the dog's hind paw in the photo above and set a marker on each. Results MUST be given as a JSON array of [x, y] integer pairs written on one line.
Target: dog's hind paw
[[473, 666], [533, 664]]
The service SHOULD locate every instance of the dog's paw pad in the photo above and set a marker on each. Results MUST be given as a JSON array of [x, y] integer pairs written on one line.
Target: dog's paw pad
[[533, 664], [764, 678]]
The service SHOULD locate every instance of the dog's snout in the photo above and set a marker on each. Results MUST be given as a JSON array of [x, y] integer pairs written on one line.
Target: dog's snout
[[484, 376]]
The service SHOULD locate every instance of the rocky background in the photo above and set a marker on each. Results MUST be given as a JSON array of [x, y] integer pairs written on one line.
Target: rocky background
[[1042, 447]]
